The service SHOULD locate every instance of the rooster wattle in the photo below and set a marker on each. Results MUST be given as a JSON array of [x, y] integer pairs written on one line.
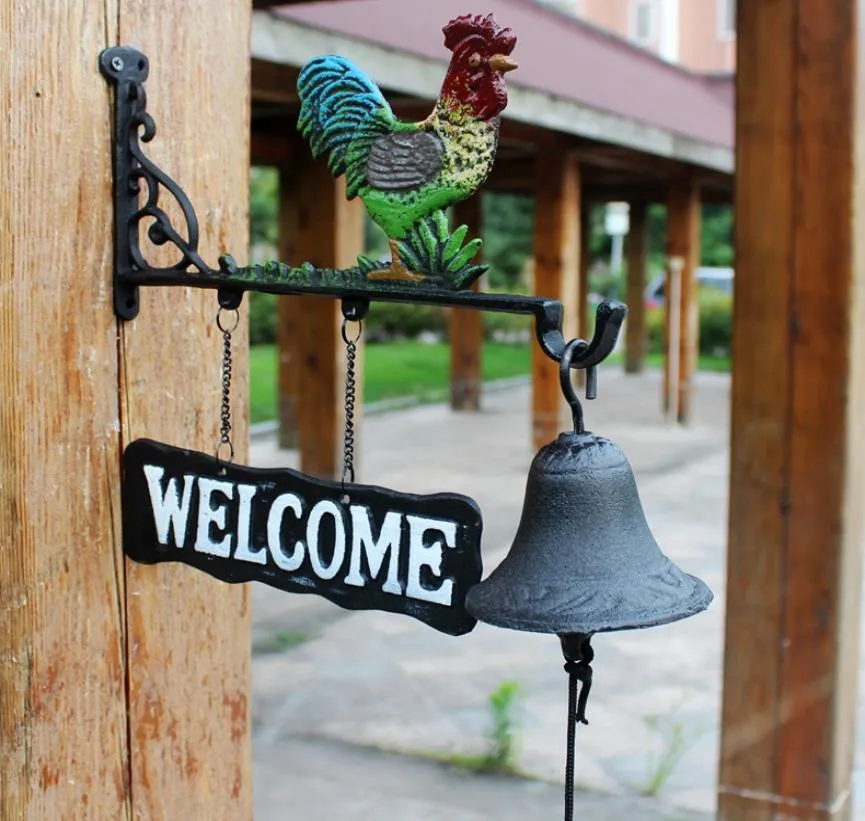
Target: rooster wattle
[[405, 172]]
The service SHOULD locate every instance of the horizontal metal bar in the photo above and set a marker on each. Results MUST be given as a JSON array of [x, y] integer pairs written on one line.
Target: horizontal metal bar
[[548, 313]]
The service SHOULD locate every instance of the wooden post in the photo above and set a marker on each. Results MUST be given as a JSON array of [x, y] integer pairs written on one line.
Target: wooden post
[[635, 326], [584, 320], [330, 233], [557, 273], [124, 689], [466, 326], [683, 248], [288, 317], [798, 405]]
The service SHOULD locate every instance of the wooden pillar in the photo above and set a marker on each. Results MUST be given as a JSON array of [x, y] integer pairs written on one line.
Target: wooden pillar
[[288, 317], [683, 254], [466, 326], [124, 689], [557, 273], [584, 320], [635, 326], [798, 416], [330, 233]]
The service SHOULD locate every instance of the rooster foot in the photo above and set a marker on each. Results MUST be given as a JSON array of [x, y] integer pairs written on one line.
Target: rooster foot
[[397, 270], [396, 273]]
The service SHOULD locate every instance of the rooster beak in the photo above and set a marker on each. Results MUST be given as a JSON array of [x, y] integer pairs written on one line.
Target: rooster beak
[[503, 63]]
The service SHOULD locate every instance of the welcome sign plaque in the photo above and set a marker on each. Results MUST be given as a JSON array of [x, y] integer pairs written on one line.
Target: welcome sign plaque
[[362, 547]]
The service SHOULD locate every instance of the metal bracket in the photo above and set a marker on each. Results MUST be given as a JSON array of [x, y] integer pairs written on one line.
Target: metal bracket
[[136, 203]]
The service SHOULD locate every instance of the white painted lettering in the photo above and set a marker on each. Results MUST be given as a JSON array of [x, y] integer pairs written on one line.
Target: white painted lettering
[[245, 494], [362, 540], [209, 515], [170, 510], [421, 555], [313, 525], [287, 501]]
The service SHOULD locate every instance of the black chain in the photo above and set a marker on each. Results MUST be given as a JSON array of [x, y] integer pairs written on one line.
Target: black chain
[[350, 390], [225, 411]]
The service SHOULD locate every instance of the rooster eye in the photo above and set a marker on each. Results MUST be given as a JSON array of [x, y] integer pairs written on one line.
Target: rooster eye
[[475, 60]]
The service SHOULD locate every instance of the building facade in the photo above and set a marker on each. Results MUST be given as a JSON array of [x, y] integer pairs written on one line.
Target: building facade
[[697, 34]]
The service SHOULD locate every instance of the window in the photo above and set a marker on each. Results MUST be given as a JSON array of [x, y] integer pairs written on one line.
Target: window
[[726, 19], [643, 21]]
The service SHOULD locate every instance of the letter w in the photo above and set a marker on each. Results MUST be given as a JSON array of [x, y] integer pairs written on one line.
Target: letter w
[[169, 510]]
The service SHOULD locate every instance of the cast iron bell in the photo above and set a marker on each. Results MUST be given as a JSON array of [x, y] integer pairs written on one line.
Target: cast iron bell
[[583, 560]]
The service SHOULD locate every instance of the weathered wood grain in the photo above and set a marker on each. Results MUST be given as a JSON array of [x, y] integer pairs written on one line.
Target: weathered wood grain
[[188, 635], [466, 326], [557, 272], [63, 737], [798, 400]]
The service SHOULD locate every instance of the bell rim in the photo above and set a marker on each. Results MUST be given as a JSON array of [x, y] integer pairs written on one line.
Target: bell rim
[[699, 600]]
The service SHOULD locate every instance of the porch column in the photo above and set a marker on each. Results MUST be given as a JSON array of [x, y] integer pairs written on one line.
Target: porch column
[[637, 251], [798, 415], [557, 274], [680, 297], [584, 318], [466, 326], [124, 688], [330, 233]]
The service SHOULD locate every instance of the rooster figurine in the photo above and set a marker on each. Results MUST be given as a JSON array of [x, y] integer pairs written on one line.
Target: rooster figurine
[[405, 173]]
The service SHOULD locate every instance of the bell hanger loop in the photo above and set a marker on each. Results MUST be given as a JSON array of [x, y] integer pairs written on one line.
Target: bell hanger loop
[[576, 346]]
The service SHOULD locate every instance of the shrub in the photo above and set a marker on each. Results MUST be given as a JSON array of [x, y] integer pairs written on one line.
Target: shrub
[[655, 329], [716, 324], [262, 319], [389, 320], [503, 327]]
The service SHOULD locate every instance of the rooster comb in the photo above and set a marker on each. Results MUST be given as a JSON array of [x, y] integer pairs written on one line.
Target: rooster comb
[[469, 25]]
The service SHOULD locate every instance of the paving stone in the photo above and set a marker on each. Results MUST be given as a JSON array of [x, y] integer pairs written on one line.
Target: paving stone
[[374, 680]]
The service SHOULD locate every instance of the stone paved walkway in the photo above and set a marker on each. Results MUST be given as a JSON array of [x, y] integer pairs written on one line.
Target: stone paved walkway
[[351, 685]]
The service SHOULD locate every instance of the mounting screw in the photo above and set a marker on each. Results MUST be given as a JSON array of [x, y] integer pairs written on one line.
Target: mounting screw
[[117, 63]]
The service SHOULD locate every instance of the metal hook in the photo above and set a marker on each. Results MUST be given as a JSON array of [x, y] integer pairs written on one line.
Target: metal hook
[[576, 346]]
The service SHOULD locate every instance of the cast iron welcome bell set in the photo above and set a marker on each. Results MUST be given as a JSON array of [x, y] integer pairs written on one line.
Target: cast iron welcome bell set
[[583, 560]]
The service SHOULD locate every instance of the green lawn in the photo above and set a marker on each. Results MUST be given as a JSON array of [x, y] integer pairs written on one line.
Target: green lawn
[[412, 369], [390, 370]]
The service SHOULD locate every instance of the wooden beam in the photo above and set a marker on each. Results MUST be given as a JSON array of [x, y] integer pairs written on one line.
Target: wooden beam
[[798, 401], [637, 252], [273, 82], [557, 265], [270, 149], [683, 253], [330, 233], [124, 689], [466, 326]]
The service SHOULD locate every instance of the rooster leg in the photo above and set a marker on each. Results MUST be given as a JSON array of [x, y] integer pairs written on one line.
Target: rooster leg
[[397, 270]]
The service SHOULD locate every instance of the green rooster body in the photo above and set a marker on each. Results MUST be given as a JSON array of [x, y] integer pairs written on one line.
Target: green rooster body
[[407, 173], [468, 152]]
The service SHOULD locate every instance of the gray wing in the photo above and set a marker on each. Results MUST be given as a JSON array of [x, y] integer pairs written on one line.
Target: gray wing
[[403, 160]]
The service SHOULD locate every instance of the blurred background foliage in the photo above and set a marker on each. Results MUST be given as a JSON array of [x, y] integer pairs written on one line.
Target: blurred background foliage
[[508, 237]]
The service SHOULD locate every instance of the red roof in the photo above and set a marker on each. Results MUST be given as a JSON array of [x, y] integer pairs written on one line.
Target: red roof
[[558, 55]]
